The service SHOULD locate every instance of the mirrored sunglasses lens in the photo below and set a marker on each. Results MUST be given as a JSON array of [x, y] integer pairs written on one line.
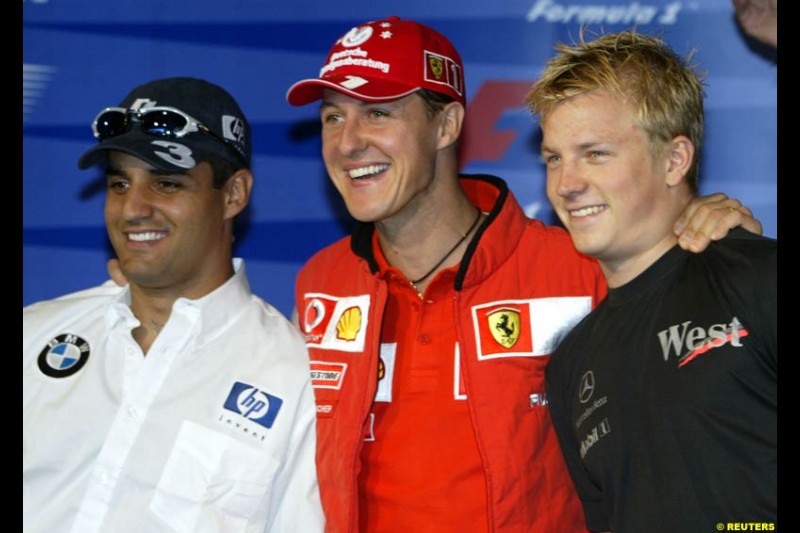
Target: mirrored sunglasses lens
[[163, 123], [111, 124]]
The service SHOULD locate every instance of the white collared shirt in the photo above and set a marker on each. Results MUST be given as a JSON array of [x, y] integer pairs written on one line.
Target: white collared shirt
[[213, 431]]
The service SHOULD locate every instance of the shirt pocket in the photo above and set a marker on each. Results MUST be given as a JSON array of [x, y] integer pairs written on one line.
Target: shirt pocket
[[212, 482]]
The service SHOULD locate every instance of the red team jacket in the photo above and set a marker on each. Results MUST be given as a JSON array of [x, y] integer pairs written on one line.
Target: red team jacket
[[517, 272]]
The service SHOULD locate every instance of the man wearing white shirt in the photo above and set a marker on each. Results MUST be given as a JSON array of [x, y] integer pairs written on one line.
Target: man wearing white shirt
[[181, 401]]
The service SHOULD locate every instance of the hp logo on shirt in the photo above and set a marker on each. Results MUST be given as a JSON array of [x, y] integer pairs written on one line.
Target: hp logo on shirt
[[253, 404]]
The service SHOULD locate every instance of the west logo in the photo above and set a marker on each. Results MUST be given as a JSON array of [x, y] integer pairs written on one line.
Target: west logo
[[686, 342]]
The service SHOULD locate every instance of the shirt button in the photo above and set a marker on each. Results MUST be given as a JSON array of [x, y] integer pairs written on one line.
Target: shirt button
[[132, 413], [104, 478], [423, 339]]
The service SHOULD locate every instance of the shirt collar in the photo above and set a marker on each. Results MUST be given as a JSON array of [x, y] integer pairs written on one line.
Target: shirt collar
[[210, 314]]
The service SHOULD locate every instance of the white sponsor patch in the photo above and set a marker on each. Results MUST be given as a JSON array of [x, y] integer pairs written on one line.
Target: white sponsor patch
[[386, 372], [327, 375], [334, 323], [532, 328], [459, 392]]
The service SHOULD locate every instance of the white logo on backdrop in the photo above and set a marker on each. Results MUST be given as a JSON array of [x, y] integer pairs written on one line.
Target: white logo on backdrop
[[35, 79], [631, 13]]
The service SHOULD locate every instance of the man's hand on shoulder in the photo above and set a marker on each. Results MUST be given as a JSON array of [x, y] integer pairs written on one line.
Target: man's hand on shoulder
[[710, 218]]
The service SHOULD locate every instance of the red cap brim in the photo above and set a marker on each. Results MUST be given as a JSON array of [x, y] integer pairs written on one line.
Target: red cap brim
[[373, 90]]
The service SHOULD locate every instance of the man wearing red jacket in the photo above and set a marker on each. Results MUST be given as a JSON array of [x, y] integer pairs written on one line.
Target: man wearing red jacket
[[429, 327]]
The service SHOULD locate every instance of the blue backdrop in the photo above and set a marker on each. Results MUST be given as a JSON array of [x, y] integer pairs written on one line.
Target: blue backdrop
[[80, 56]]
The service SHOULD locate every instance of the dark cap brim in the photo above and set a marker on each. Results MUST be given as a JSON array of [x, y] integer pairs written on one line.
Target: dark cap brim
[[170, 155]]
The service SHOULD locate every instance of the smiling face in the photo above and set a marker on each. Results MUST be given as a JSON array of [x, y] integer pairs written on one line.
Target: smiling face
[[171, 232], [381, 157], [616, 200]]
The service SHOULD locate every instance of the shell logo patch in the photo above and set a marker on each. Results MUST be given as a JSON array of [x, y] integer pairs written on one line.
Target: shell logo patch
[[349, 324], [335, 323], [63, 356]]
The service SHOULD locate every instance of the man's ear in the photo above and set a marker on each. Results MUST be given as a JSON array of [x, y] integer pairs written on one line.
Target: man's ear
[[237, 192], [451, 120], [680, 155]]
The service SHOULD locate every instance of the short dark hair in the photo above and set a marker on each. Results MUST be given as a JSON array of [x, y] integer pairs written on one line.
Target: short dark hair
[[434, 102], [222, 170]]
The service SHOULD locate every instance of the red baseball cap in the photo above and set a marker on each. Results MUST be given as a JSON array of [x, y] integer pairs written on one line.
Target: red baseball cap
[[385, 60]]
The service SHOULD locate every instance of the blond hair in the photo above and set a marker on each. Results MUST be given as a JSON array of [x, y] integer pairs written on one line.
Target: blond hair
[[664, 89]]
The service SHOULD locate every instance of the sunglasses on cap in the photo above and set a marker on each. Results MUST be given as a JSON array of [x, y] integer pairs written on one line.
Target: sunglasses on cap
[[157, 121]]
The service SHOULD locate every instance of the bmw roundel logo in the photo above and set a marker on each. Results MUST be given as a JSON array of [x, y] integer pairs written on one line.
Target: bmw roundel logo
[[63, 356]]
